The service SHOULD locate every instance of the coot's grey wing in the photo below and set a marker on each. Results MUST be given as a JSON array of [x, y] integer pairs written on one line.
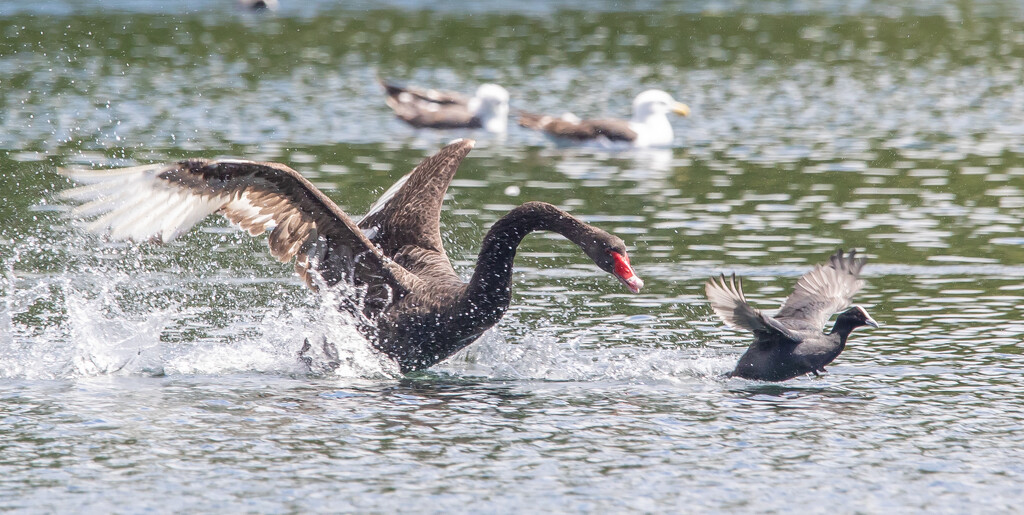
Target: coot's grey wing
[[827, 289], [729, 303], [159, 202]]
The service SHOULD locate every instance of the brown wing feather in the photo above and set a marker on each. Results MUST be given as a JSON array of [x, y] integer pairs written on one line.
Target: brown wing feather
[[827, 289], [163, 201], [557, 127], [434, 116], [410, 215]]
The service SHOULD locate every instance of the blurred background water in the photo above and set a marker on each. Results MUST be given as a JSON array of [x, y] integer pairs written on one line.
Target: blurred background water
[[142, 378]]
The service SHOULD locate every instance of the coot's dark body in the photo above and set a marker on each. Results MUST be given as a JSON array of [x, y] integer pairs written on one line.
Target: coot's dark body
[[791, 343]]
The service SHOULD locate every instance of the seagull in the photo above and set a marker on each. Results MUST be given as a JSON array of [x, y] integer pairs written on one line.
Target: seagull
[[430, 108], [649, 126]]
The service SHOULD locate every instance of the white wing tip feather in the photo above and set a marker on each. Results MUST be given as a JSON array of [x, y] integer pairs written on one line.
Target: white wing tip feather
[[93, 175], [132, 204]]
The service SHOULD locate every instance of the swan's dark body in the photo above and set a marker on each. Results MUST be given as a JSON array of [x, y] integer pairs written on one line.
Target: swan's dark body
[[415, 309], [432, 323], [791, 343]]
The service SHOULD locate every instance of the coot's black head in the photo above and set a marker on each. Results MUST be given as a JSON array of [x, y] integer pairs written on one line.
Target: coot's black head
[[609, 252], [855, 317]]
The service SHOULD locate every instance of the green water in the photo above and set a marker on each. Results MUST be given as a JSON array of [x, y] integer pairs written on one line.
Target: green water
[[165, 378]]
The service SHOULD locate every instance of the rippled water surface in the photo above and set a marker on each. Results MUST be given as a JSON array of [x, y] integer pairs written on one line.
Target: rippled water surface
[[136, 377]]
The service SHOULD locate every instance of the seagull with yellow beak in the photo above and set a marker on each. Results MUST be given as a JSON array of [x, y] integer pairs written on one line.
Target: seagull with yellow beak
[[649, 126]]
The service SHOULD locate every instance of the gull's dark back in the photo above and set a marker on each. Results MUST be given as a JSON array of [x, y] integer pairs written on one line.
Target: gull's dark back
[[421, 107], [580, 130]]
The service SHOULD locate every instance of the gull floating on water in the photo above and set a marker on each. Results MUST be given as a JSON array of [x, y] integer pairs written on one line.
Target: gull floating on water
[[430, 108], [649, 126]]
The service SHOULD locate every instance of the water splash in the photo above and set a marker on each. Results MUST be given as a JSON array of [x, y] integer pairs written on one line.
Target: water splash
[[51, 328], [551, 357], [110, 342], [102, 320]]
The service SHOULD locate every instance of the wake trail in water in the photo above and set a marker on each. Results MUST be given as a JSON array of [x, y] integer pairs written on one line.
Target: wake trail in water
[[549, 357]]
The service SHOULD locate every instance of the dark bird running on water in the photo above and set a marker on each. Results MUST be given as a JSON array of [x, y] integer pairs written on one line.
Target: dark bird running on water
[[649, 126], [418, 310], [791, 343], [431, 108]]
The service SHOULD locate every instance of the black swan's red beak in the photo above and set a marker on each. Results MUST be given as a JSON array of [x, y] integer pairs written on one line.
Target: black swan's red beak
[[625, 272]]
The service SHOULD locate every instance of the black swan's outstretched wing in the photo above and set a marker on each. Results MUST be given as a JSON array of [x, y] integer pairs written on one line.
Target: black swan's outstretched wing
[[729, 303], [161, 201], [406, 218], [827, 289]]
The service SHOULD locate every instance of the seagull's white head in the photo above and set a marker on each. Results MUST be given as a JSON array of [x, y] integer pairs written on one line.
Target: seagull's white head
[[490, 104], [650, 118], [655, 102]]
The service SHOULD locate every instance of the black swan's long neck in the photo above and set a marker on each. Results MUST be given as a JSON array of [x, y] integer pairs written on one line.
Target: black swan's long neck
[[491, 285], [433, 337]]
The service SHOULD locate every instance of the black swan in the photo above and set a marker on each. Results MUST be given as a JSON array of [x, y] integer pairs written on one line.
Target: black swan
[[429, 108], [791, 343], [649, 126], [420, 311]]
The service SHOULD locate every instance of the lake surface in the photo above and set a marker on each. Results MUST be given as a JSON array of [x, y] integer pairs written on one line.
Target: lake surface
[[143, 378]]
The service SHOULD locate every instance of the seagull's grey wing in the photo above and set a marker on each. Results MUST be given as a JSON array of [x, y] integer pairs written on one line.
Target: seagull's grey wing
[[430, 108], [613, 129], [729, 303], [578, 130], [558, 127], [423, 114], [393, 89], [827, 289]]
